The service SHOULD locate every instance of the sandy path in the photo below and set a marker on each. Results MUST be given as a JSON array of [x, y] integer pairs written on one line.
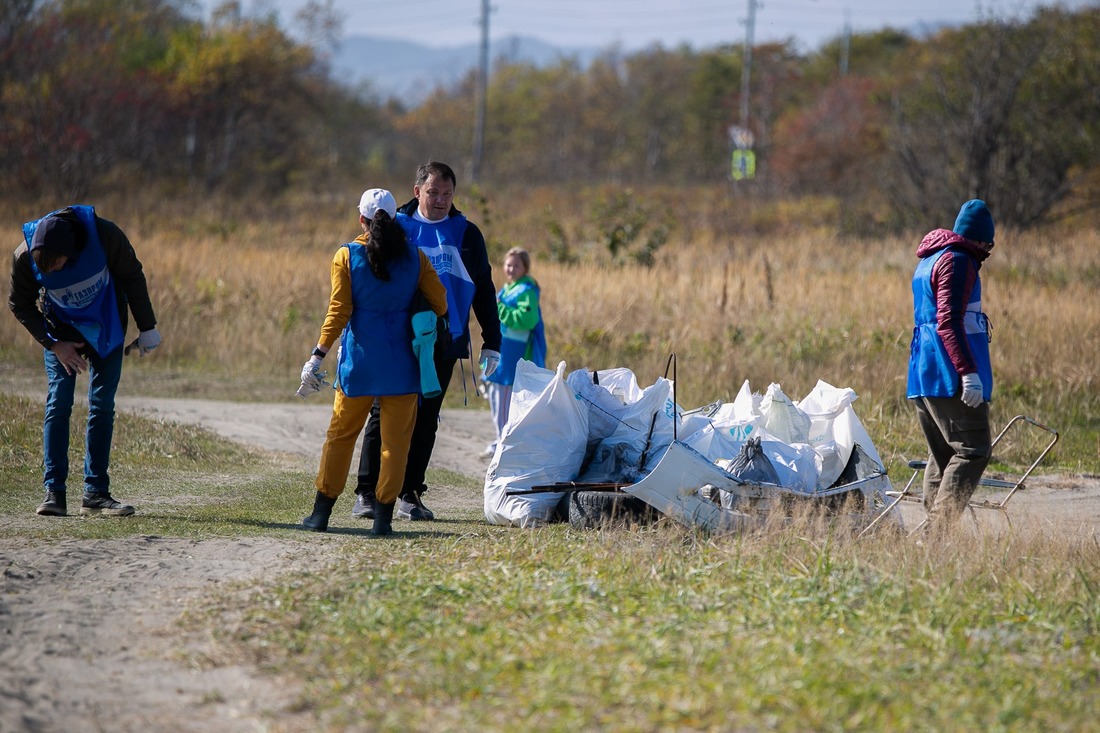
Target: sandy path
[[87, 627], [87, 634]]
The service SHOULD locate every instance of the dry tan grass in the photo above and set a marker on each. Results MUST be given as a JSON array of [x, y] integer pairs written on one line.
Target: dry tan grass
[[796, 304]]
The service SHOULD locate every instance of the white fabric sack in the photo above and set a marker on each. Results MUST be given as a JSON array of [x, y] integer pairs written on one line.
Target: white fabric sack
[[835, 430], [782, 418], [605, 409], [542, 443], [731, 425], [618, 457]]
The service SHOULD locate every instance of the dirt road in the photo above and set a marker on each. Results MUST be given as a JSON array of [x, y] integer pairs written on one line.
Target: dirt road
[[86, 626]]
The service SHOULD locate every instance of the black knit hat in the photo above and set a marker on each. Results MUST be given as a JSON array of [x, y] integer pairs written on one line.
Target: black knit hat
[[58, 233]]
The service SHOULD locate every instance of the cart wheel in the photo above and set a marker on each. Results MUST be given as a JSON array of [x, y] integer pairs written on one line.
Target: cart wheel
[[591, 509]]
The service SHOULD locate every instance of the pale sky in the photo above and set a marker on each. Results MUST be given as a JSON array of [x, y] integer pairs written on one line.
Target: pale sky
[[636, 24]]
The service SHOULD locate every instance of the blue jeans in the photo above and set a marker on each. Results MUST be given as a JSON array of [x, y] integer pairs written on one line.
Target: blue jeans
[[104, 373]]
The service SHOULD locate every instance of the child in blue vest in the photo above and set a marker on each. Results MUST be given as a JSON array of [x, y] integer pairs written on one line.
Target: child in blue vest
[[522, 335]]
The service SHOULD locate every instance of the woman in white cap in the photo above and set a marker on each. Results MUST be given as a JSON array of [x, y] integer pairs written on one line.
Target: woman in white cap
[[375, 280]]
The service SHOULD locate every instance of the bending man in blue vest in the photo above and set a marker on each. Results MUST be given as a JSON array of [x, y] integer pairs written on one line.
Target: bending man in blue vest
[[456, 249], [950, 377], [71, 282]]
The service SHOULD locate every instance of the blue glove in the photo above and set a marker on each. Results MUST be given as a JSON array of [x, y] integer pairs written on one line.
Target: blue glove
[[972, 390], [147, 341], [489, 362]]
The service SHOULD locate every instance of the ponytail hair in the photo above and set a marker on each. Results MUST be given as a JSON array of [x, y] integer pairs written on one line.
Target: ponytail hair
[[386, 243]]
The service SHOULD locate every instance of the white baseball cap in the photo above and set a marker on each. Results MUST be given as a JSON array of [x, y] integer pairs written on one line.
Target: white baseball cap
[[376, 199]]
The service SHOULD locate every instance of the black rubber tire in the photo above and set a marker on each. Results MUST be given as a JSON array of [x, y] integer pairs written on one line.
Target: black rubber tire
[[592, 509]]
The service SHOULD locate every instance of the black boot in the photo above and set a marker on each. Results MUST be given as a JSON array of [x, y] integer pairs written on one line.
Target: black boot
[[383, 519], [322, 509], [54, 505]]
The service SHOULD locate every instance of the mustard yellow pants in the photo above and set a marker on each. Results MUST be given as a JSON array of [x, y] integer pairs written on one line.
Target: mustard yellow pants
[[349, 414]]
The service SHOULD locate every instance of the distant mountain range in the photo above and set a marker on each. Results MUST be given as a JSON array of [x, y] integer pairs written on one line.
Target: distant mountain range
[[409, 71]]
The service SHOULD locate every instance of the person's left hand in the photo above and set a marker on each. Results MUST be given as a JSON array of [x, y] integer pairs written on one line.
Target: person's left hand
[[147, 341], [489, 361], [971, 393]]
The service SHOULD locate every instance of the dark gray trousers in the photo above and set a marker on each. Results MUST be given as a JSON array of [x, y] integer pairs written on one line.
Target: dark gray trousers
[[959, 448]]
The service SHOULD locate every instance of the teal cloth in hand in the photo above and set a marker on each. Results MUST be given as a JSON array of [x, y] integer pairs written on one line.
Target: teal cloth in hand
[[423, 343]]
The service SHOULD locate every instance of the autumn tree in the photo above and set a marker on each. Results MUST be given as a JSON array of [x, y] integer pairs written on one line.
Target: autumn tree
[[1011, 119]]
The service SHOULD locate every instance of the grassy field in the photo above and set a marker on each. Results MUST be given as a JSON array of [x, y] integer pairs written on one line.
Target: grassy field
[[465, 626], [462, 626]]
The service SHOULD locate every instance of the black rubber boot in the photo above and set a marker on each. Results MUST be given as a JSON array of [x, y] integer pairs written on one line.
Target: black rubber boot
[[322, 510], [383, 519]]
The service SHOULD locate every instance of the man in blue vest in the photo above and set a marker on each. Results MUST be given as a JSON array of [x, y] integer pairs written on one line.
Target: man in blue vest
[[456, 249], [950, 377], [72, 281]]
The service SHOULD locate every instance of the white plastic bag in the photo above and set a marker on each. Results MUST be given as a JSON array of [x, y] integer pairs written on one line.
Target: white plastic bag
[[795, 464], [542, 443]]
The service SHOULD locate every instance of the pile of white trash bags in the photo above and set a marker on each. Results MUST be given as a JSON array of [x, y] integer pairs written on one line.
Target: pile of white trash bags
[[603, 428]]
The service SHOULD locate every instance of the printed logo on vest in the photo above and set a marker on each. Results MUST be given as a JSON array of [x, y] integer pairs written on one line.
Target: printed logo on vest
[[81, 294]]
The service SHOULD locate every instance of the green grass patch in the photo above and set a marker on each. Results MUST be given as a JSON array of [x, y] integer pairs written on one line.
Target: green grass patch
[[185, 481], [556, 629]]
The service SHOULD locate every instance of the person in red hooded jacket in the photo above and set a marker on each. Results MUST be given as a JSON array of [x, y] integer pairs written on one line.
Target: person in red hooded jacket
[[950, 376]]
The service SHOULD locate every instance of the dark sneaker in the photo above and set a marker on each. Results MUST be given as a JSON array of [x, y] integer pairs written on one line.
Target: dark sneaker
[[364, 507], [54, 505], [104, 504], [411, 507]]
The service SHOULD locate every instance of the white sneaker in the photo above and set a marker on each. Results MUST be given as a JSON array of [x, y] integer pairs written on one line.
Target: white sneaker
[[489, 451]]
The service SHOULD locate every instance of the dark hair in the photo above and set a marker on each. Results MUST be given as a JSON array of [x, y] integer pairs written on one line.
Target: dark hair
[[435, 168], [387, 243], [45, 258]]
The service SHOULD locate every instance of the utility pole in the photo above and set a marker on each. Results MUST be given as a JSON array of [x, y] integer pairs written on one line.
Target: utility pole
[[482, 93], [746, 64], [846, 43]]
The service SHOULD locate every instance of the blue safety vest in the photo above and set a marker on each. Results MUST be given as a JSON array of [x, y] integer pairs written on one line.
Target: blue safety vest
[[442, 242], [376, 351], [931, 373], [82, 292]]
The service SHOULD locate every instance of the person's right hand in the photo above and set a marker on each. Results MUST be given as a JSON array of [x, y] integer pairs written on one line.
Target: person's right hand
[[971, 390], [312, 376], [66, 353]]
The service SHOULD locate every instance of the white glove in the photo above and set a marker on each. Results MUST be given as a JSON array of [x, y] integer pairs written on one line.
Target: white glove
[[972, 390], [312, 377], [147, 341], [489, 361]]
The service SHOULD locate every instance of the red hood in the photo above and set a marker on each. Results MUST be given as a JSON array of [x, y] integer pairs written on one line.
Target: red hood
[[938, 239]]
